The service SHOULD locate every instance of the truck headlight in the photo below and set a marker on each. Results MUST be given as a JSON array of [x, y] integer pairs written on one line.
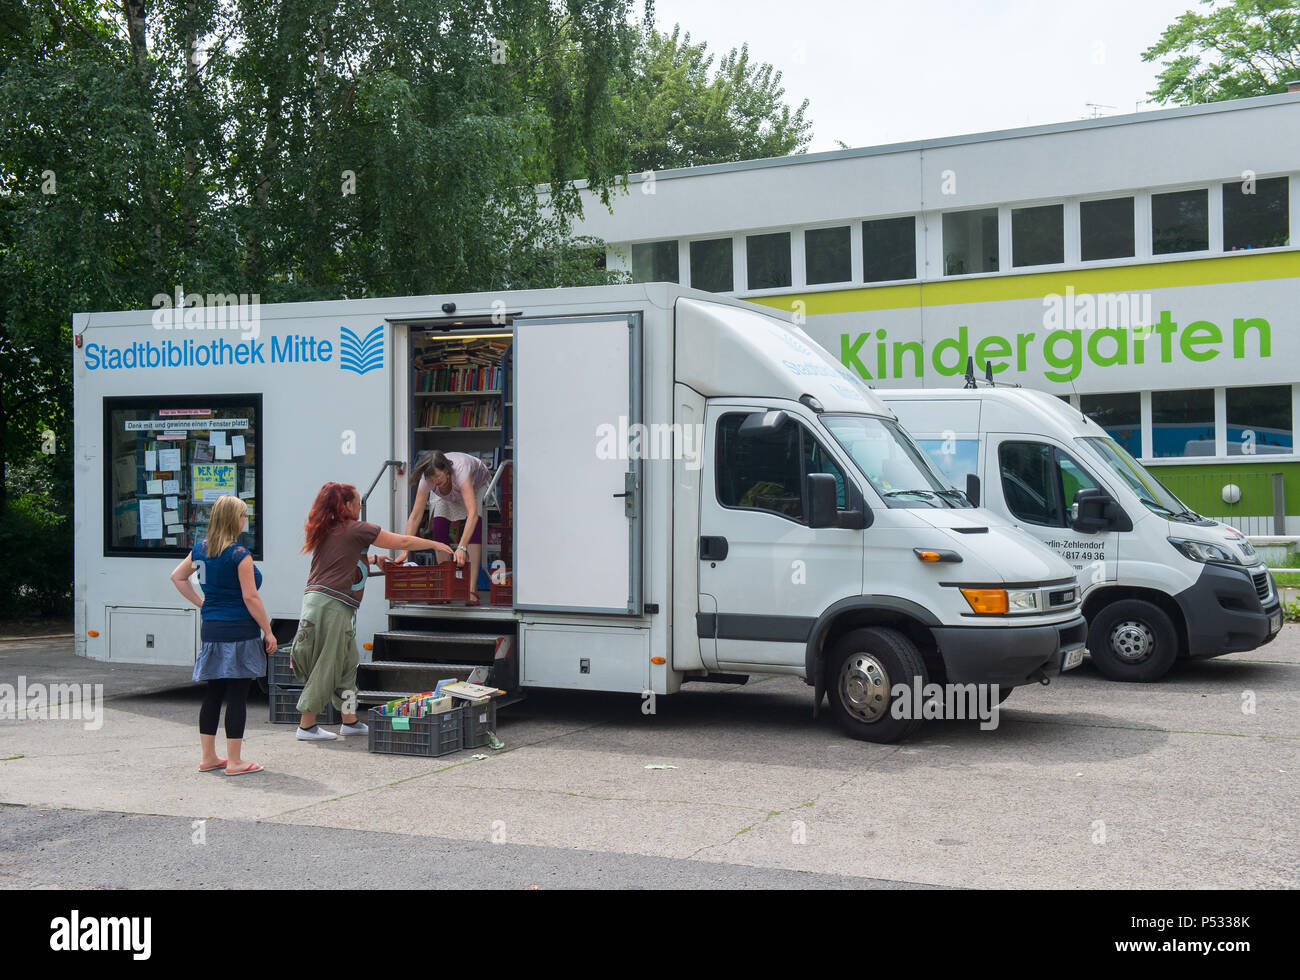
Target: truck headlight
[[1203, 551], [1022, 600]]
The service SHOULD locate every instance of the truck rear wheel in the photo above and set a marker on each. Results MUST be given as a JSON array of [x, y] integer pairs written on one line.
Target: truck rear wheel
[[1132, 640], [862, 671]]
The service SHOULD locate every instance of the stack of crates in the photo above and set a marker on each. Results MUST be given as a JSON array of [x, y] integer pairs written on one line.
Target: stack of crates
[[284, 689], [462, 726]]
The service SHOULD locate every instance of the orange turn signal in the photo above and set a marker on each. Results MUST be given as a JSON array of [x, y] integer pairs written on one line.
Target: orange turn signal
[[368, 646], [658, 660], [928, 555], [986, 600], [92, 632]]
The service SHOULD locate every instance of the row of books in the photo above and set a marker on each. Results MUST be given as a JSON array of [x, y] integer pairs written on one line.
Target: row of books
[[463, 415], [483, 377]]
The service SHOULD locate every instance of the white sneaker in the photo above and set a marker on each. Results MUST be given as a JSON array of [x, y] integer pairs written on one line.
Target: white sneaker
[[359, 727], [314, 734]]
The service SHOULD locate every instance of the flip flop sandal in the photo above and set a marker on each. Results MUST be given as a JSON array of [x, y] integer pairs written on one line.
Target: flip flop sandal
[[252, 767], [221, 764], [473, 600]]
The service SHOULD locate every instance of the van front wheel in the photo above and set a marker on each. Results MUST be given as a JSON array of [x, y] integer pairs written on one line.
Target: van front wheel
[[863, 670], [1132, 640]]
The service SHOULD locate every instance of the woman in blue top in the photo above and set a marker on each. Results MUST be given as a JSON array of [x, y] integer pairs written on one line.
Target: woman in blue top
[[234, 632]]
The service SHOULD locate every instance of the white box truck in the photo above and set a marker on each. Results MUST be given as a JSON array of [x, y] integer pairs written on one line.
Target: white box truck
[[698, 492], [1159, 581]]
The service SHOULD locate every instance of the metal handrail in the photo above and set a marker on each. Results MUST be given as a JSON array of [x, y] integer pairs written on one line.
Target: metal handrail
[[496, 478], [399, 463]]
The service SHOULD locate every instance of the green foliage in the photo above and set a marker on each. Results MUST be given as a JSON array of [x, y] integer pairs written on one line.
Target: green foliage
[[676, 114], [1232, 50], [36, 540]]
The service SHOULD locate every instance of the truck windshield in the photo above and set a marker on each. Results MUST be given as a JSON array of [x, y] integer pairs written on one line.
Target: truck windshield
[[1153, 494], [898, 470]]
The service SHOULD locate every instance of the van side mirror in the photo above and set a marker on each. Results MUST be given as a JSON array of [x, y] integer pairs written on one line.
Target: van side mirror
[[1092, 511], [973, 489], [822, 495], [763, 425]]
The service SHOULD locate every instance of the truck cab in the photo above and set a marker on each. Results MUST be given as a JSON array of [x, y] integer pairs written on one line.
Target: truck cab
[[1160, 582], [829, 546]]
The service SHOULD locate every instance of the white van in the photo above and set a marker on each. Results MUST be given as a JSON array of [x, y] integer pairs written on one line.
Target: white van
[[698, 492], [1160, 582]]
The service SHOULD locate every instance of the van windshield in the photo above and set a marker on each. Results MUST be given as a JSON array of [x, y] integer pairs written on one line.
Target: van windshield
[[898, 470], [1155, 496]]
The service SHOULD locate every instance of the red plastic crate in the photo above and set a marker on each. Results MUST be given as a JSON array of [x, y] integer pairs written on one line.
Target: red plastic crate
[[443, 582], [502, 594]]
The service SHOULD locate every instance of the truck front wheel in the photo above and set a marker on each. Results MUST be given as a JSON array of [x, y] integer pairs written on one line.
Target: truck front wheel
[[863, 669], [1132, 640]]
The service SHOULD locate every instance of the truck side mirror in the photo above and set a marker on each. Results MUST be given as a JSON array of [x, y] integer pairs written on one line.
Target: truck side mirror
[[973, 489], [1092, 510], [822, 500], [763, 425]]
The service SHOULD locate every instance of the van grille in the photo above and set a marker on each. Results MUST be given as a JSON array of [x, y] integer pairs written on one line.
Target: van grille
[[1261, 584], [1060, 597]]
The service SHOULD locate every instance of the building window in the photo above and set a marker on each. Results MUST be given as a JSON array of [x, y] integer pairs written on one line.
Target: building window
[[889, 249], [1259, 421], [970, 242], [711, 267], [767, 260], [168, 459], [827, 255], [1258, 219], [1180, 222], [1038, 235], [1120, 415], [654, 262], [1106, 229], [1182, 423]]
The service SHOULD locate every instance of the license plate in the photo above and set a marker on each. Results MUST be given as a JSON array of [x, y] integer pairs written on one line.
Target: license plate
[[1275, 622], [1072, 659]]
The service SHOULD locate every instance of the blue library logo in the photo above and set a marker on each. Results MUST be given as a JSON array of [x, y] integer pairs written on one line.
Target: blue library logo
[[361, 355]]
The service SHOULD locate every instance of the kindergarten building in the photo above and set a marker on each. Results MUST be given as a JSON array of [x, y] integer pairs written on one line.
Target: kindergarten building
[[1143, 267]]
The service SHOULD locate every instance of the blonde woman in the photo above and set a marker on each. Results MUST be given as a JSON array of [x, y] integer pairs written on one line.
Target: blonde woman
[[235, 631]]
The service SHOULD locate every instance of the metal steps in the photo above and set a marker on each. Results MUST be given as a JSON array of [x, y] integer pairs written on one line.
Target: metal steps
[[408, 661]]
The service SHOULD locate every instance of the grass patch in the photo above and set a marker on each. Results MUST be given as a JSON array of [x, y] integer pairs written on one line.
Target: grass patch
[[1287, 578]]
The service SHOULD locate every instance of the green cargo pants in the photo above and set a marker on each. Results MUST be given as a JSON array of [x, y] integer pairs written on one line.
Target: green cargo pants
[[325, 655]]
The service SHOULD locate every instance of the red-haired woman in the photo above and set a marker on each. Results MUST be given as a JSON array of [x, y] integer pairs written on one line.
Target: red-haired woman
[[324, 654]]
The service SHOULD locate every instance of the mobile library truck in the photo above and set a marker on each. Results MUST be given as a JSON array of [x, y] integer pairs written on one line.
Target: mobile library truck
[[1159, 581], [696, 491]]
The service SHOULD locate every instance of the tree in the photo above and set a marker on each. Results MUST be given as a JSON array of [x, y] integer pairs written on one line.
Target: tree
[[293, 149], [1233, 50], [675, 114]]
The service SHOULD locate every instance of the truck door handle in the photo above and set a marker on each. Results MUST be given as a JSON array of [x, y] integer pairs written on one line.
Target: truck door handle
[[713, 548]]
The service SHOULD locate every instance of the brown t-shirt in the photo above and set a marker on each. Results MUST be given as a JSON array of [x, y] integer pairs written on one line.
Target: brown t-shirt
[[338, 565]]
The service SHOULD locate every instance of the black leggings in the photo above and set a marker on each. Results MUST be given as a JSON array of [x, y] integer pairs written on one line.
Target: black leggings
[[234, 691]]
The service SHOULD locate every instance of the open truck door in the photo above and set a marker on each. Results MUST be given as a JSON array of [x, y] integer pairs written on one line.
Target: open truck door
[[578, 495]]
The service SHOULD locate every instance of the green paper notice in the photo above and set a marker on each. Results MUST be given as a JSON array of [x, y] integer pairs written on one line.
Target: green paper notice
[[401, 724]]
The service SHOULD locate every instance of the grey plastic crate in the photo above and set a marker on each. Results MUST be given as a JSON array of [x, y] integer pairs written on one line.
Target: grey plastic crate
[[283, 702], [477, 721], [432, 735], [278, 671]]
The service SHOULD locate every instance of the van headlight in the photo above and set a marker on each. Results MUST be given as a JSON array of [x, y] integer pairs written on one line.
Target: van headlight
[[1022, 600], [1203, 551], [1002, 602]]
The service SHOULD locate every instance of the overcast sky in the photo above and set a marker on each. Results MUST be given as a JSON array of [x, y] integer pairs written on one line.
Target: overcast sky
[[886, 72]]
